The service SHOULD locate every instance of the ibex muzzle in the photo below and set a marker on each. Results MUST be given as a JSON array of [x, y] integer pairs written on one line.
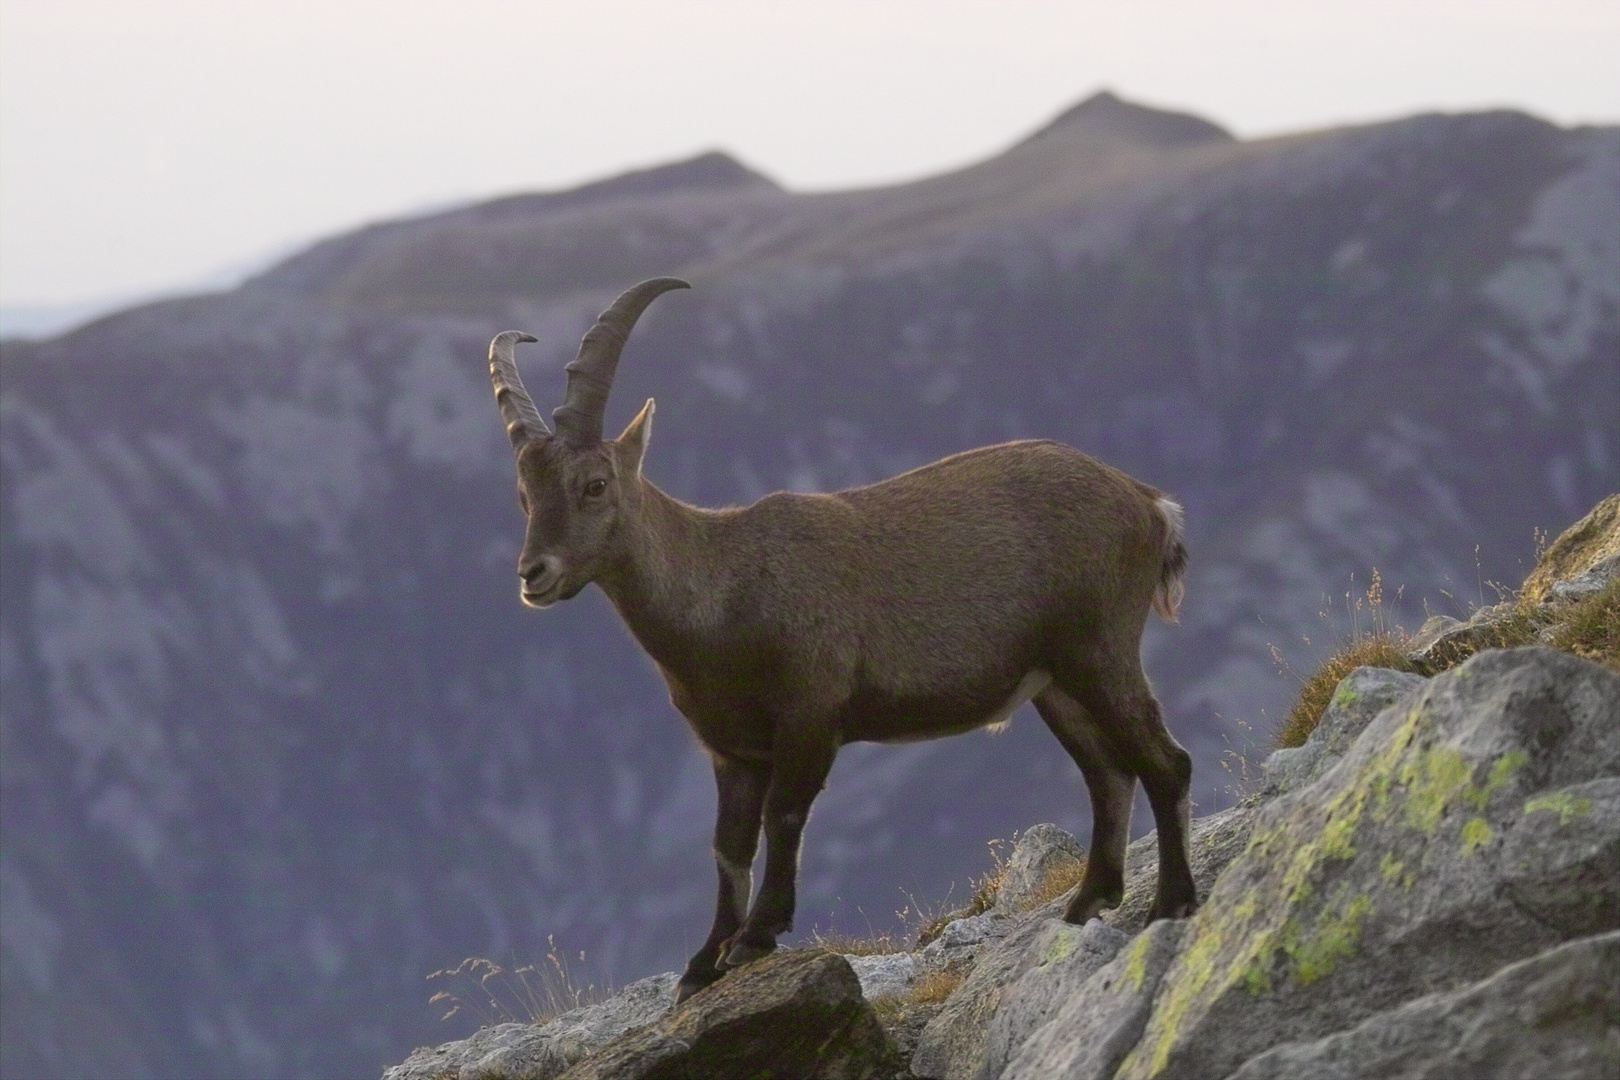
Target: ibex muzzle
[[925, 605]]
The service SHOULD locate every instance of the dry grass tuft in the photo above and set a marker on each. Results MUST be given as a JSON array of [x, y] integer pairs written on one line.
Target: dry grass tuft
[[531, 994], [935, 986], [876, 944], [982, 899], [984, 892], [1513, 624], [1059, 880], [1591, 627], [890, 1010], [1368, 650], [1380, 645]]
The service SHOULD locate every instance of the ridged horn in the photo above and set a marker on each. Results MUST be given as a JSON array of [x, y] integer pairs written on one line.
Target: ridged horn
[[523, 423], [590, 374]]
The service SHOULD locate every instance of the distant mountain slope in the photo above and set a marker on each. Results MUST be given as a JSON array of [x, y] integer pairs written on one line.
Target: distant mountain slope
[[279, 740]]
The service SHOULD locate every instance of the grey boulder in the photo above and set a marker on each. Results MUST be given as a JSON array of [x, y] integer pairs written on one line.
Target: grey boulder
[[1398, 870], [1553, 1017], [1041, 851], [961, 941], [885, 975], [1586, 584], [956, 1043], [1067, 957], [1360, 696], [791, 1014], [952, 1046], [544, 1051], [1096, 1026]]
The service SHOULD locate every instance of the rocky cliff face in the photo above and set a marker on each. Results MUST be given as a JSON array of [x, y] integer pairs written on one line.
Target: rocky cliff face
[[1444, 900], [279, 741]]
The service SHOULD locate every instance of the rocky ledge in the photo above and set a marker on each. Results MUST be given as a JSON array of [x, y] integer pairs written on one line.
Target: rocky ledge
[[1429, 887]]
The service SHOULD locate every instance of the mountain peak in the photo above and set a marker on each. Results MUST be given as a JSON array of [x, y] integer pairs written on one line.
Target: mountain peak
[[1105, 113], [713, 170]]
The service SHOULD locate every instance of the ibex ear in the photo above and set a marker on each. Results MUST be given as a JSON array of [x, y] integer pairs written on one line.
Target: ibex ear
[[632, 442]]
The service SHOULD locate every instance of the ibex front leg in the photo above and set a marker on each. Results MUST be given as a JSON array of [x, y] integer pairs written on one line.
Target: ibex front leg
[[742, 786], [802, 755]]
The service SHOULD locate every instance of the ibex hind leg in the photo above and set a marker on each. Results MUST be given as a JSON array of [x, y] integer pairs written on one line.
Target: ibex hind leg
[[1128, 718], [742, 787], [1112, 789]]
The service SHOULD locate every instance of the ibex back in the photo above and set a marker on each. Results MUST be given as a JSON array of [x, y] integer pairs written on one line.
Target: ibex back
[[926, 605]]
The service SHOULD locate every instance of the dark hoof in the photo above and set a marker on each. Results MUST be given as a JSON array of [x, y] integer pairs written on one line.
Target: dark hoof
[[743, 952], [695, 978], [689, 986], [1171, 909], [1089, 905]]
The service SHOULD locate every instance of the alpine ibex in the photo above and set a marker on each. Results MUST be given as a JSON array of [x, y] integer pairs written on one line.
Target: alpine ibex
[[926, 605]]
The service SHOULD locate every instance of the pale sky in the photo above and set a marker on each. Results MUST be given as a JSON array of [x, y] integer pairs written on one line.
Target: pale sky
[[148, 145]]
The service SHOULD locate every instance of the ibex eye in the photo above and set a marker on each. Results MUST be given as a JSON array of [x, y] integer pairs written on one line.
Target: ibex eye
[[595, 488]]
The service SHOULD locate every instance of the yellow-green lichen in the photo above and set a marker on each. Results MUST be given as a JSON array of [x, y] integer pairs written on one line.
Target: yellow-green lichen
[[1334, 938], [1433, 778], [1345, 697], [1475, 834], [1062, 944], [1256, 979], [1136, 962], [1568, 807], [1336, 836], [1439, 777], [1502, 770], [1194, 968], [1240, 945]]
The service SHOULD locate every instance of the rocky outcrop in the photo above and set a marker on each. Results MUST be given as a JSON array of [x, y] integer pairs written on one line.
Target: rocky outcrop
[[1385, 877], [1430, 886], [789, 1015], [1359, 697], [1096, 1026], [1051, 955], [1578, 565], [543, 1051], [1582, 556], [1040, 853], [1555, 1015]]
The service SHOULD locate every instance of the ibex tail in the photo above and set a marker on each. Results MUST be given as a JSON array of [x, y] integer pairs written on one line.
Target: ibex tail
[[1173, 562]]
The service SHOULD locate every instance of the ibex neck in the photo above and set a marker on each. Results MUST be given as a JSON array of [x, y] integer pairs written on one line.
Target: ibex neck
[[671, 588]]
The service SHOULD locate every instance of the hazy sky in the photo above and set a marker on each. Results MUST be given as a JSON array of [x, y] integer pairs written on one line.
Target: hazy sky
[[145, 145]]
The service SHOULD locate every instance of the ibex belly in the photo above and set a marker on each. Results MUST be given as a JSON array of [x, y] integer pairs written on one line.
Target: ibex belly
[[903, 720], [1030, 685]]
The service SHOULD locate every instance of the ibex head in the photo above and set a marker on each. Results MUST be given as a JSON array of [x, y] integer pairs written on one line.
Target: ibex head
[[575, 487]]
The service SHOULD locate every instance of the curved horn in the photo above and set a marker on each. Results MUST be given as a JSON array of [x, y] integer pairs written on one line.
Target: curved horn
[[590, 374], [523, 421]]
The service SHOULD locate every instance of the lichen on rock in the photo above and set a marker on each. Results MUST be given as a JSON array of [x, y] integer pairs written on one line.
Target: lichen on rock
[[1383, 876]]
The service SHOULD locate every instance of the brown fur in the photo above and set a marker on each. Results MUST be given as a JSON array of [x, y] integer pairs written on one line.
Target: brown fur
[[908, 609]]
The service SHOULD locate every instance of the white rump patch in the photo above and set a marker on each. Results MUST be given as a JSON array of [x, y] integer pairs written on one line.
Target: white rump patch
[[1174, 516], [1030, 685]]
